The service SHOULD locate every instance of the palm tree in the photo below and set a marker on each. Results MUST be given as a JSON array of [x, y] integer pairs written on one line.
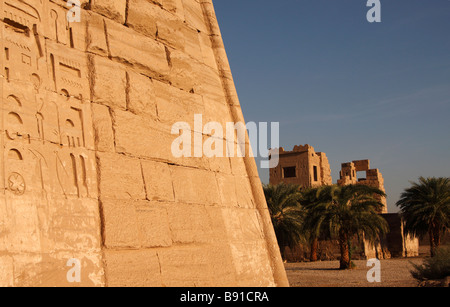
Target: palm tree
[[347, 211], [286, 212], [312, 227], [425, 206]]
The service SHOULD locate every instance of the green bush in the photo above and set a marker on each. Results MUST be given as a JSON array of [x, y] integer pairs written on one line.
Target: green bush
[[437, 267]]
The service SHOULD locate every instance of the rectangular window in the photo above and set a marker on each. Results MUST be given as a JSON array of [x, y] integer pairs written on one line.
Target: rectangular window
[[361, 176], [289, 172], [316, 175]]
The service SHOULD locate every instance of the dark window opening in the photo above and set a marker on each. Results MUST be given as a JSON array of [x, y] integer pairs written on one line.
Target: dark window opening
[[290, 172], [316, 175], [362, 176]]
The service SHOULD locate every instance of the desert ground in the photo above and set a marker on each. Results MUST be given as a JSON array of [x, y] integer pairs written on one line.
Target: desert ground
[[394, 273]]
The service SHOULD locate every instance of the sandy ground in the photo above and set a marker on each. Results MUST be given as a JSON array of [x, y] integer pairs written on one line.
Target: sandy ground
[[394, 273]]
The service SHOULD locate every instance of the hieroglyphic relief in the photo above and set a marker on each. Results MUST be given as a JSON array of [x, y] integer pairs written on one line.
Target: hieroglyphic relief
[[34, 124], [125, 56], [47, 166], [53, 110], [22, 43]]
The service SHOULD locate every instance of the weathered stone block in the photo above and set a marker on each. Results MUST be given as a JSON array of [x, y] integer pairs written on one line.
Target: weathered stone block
[[237, 165], [209, 84], [110, 83], [134, 268], [120, 177], [142, 137], [191, 224], [243, 224], [252, 264], [191, 266], [183, 71], [173, 6], [141, 99], [158, 181], [195, 186], [227, 188], [103, 129], [193, 13], [121, 229], [170, 30], [75, 226], [175, 105], [192, 45], [142, 17], [153, 225], [220, 164], [6, 271], [212, 108], [207, 51], [96, 36], [244, 192], [142, 52], [111, 9], [152, 20], [135, 224]]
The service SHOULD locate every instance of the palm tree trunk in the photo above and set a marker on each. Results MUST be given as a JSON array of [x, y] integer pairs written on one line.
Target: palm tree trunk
[[432, 242], [436, 233], [437, 237], [314, 247], [345, 251]]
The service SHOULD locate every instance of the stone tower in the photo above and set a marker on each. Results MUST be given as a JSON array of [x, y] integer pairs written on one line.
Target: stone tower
[[303, 166], [372, 177], [89, 185], [396, 243]]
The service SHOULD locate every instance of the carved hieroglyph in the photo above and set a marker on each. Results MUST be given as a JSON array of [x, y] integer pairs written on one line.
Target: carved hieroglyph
[[86, 166], [49, 201]]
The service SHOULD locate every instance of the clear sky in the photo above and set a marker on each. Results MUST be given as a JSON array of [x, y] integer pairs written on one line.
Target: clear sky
[[352, 89]]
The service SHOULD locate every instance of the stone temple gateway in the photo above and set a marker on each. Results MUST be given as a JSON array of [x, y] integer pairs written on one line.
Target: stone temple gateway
[[86, 166]]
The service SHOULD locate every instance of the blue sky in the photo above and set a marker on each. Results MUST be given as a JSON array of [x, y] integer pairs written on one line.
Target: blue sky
[[352, 89]]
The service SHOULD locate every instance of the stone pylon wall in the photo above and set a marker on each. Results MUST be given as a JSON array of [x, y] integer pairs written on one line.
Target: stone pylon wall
[[87, 171]]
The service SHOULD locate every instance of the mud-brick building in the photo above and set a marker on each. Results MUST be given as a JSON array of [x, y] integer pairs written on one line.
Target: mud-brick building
[[396, 244], [303, 166], [359, 172], [399, 244], [307, 168]]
